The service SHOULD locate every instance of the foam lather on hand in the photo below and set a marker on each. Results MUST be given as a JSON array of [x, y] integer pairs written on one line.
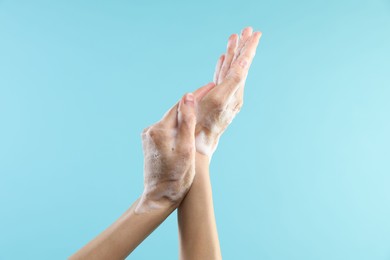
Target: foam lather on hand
[[214, 122], [168, 173], [205, 145]]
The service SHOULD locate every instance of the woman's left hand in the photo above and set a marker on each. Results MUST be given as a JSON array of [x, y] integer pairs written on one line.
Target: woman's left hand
[[169, 157]]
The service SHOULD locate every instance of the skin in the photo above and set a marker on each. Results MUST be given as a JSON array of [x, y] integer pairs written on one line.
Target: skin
[[169, 156], [218, 104], [175, 148], [169, 150], [224, 98], [198, 236]]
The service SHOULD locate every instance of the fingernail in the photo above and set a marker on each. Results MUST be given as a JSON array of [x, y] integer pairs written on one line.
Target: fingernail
[[189, 99]]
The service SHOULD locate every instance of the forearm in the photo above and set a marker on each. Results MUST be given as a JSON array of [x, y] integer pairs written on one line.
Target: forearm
[[124, 235], [198, 234]]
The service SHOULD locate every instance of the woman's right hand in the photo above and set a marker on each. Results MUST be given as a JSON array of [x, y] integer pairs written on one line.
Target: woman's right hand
[[221, 100], [169, 157]]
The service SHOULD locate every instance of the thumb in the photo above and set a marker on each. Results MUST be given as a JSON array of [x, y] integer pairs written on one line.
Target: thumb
[[186, 121]]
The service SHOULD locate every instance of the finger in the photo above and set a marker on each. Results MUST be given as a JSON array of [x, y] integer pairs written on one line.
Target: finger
[[239, 69], [170, 117], [202, 91], [231, 48], [218, 68], [246, 33], [186, 123]]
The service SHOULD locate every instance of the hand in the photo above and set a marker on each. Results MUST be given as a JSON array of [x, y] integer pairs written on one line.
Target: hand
[[169, 156], [221, 100]]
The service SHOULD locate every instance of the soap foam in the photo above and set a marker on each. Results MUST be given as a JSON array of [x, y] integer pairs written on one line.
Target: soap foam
[[163, 180], [204, 145], [216, 123]]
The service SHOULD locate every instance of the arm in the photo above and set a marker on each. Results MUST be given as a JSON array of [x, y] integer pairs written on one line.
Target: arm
[[198, 234], [123, 236], [219, 102], [169, 169]]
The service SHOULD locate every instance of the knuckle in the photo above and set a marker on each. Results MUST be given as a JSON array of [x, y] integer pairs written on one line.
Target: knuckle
[[236, 77], [238, 106], [224, 69], [243, 63], [240, 103], [153, 133], [144, 131], [189, 120], [231, 49]]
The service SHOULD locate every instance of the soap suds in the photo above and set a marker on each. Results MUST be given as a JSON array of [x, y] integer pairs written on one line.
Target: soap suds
[[215, 123], [204, 144], [167, 175]]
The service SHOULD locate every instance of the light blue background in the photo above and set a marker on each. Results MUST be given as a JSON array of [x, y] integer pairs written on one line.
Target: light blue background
[[302, 173]]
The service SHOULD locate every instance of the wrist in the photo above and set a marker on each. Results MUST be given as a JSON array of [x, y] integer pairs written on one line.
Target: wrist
[[202, 160], [202, 165], [206, 142], [149, 202]]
